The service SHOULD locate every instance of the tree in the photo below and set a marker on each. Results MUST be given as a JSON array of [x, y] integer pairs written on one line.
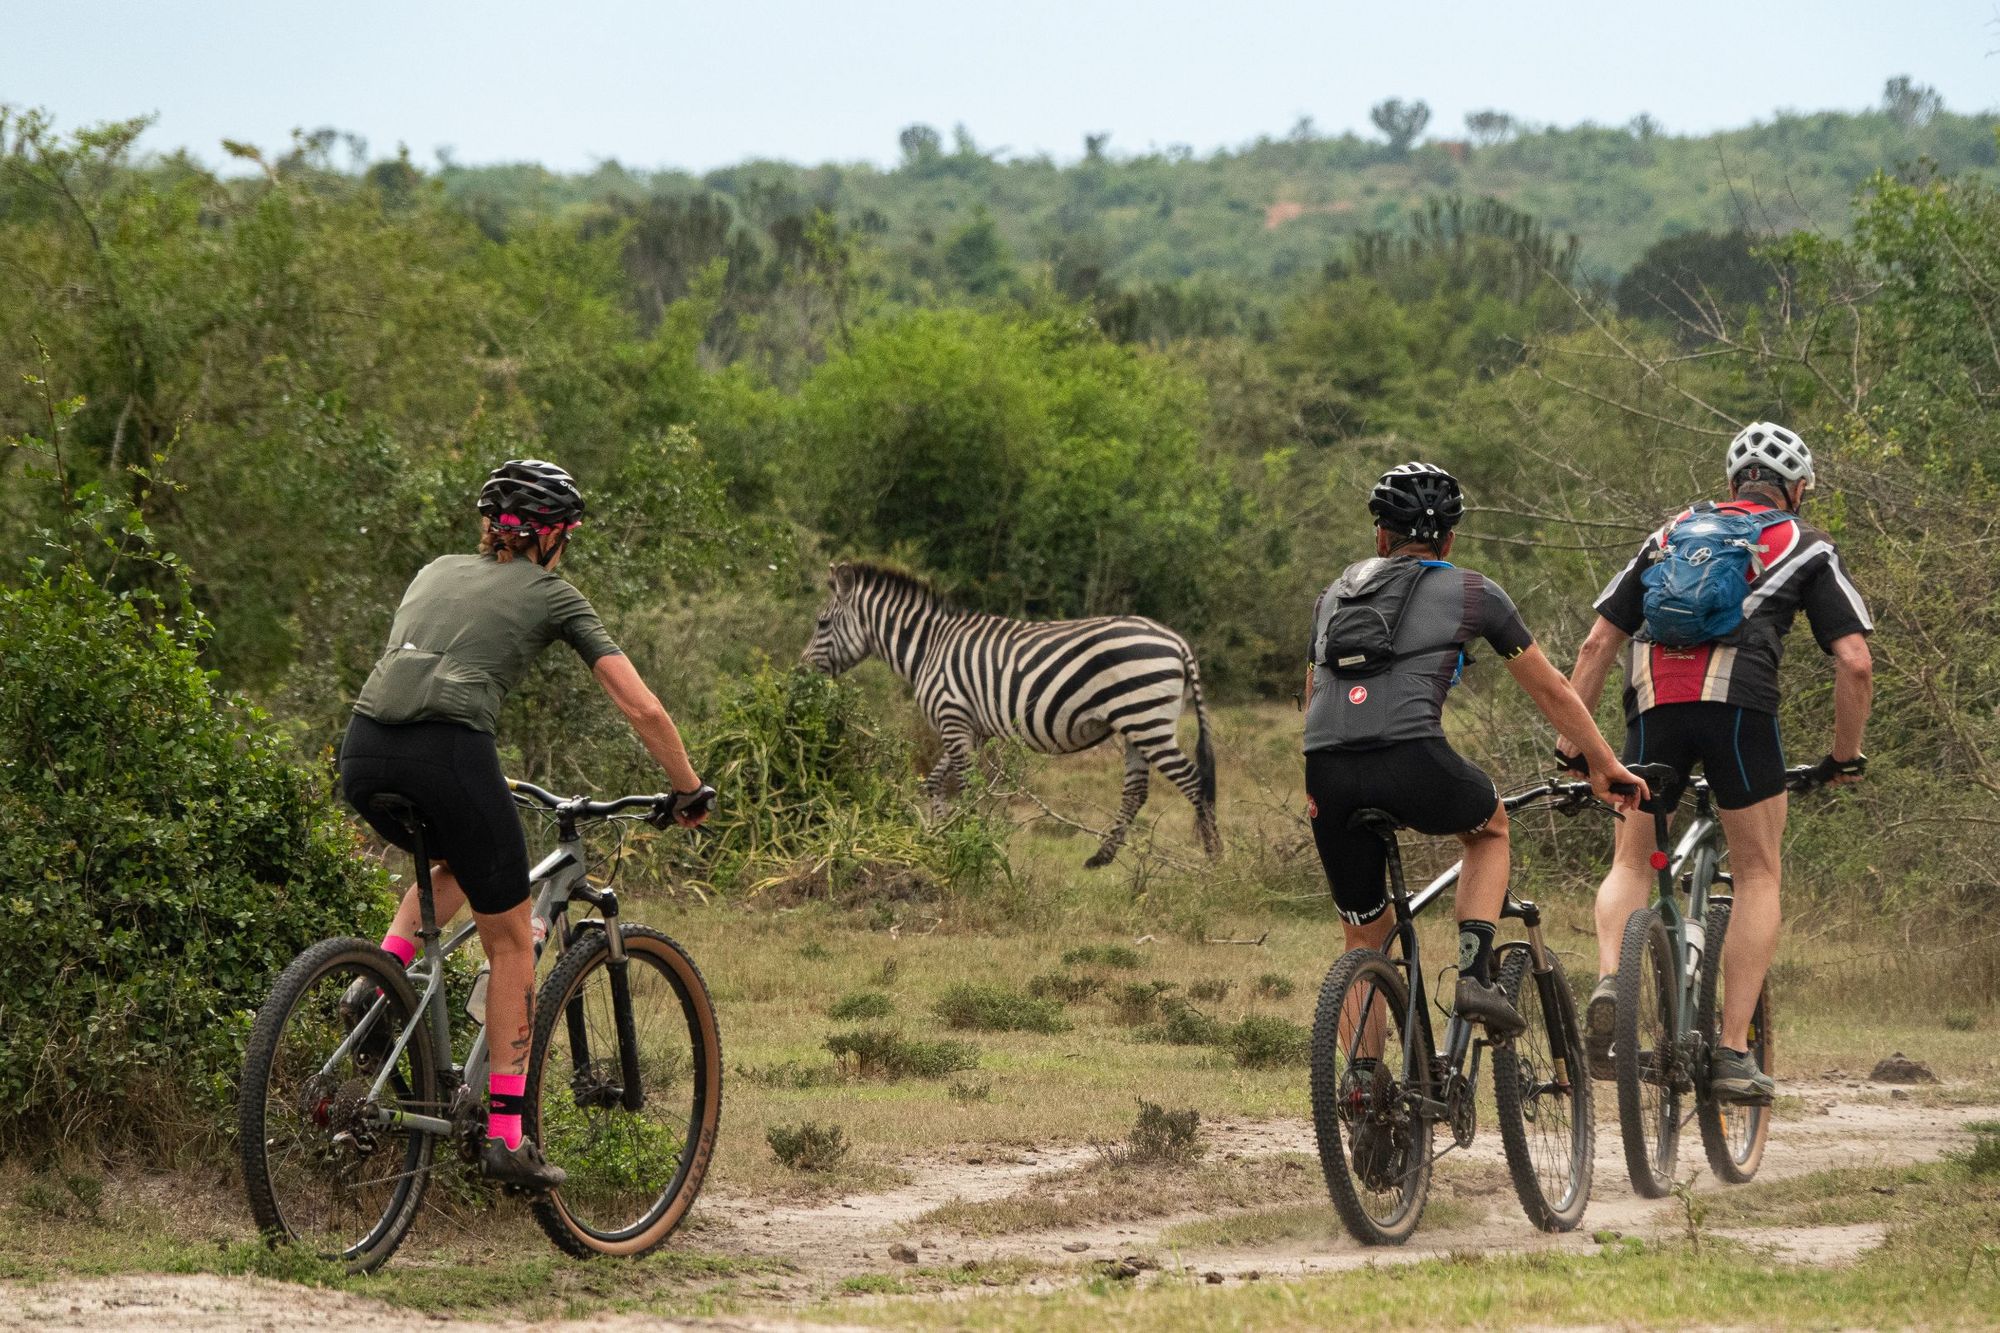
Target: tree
[[921, 147], [1488, 127], [977, 257], [1401, 121], [1909, 103], [1700, 281], [1093, 146]]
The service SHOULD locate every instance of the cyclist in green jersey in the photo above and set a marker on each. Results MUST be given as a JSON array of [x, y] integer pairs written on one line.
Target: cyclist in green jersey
[[467, 631]]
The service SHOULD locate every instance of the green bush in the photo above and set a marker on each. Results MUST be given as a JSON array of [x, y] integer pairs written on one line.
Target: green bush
[[1263, 1041], [1063, 987], [1102, 955], [860, 1004], [998, 1009], [1184, 1025], [820, 802], [1211, 989], [1160, 1136], [162, 856], [809, 1146], [881, 1053], [1275, 986]]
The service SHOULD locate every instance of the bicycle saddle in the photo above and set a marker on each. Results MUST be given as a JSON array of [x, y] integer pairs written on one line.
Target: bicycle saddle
[[399, 809], [1663, 781], [1379, 822]]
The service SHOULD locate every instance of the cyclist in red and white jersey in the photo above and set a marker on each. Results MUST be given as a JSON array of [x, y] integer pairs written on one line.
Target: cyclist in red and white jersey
[[1716, 704]]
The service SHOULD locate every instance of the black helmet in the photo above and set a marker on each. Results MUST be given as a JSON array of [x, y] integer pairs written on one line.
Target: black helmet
[[528, 493], [1418, 500]]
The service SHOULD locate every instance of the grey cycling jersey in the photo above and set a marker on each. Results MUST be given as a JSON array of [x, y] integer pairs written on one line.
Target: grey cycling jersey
[[467, 632], [1449, 608]]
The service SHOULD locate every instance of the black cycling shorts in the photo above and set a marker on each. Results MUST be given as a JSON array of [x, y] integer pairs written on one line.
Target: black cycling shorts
[[1739, 749], [1425, 784], [451, 773]]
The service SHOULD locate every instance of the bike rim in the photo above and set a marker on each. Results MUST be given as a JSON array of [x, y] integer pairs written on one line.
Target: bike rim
[[1660, 1106], [1548, 1102], [339, 1184], [625, 1167], [1384, 1140]]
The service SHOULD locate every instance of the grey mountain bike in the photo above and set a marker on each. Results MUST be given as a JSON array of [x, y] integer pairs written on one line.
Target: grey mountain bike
[[1670, 996], [345, 1099], [1380, 1087]]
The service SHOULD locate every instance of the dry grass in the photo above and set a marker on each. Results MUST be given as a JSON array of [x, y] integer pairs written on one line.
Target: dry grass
[[1105, 1192]]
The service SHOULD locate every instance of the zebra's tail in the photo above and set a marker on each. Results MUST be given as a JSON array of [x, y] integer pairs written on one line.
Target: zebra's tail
[[1204, 749]]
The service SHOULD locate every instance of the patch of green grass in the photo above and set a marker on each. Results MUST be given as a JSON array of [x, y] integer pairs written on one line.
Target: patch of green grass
[[1313, 1221], [1275, 986], [792, 1075], [1102, 955], [1982, 1160], [884, 1054], [874, 1284], [1264, 1041], [1960, 1020], [808, 1146], [860, 1004], [971, 1090], [1111, 1191], [1182, 1024], [997, 1009], [1065, 987], [814, 952]]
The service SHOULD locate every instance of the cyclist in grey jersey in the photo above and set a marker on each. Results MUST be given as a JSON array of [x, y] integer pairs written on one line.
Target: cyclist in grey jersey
[[1377, 741]]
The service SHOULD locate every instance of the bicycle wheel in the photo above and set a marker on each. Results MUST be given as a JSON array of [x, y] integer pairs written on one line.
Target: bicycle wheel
[[1733, 1135], [1643, 1050], [1374, 1141], [635, 1156], [320, 1172], [1541, 1086]]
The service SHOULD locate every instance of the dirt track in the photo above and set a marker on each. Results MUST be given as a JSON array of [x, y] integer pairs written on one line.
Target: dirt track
[[1845, 1124]]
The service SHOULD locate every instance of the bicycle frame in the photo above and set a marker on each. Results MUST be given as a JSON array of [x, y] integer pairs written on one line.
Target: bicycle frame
[[1695, 864], [558, 879]]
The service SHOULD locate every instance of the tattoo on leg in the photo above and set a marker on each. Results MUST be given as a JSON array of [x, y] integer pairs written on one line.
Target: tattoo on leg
[[525, 1038]]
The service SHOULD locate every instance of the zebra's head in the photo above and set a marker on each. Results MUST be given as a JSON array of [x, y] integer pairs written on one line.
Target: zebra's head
[[840, 639]]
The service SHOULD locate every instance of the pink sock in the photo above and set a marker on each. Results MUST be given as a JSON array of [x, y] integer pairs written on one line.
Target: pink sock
[[405, 951], [506, 1099]]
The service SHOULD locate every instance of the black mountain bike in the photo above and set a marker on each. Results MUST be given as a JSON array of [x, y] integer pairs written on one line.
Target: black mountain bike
[[1379, 1086], [1670, 996], [350, 1081]]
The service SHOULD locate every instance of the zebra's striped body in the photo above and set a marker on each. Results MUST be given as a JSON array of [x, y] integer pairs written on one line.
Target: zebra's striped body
[[1057, 686]]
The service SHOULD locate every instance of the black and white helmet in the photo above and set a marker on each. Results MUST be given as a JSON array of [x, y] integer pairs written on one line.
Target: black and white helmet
[[1774, 450], [528, 493], [1419, 500]]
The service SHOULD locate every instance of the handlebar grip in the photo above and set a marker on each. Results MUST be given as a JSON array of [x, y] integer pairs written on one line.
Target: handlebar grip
[[676, 804]]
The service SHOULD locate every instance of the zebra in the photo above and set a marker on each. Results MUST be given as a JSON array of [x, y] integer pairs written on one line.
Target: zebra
[[1059, 686]]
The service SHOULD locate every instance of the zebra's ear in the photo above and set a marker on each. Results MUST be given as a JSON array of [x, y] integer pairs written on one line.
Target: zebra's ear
[[838, 574]]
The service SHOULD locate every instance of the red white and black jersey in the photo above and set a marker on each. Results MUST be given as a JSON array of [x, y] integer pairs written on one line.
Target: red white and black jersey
[[1797, 569]]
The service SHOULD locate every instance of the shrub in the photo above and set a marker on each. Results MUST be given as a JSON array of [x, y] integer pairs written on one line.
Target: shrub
[[860, 1004], [881, 1053], [1163, 1137], [808, 1146], [1103, 955], [1138, 1001], [1275, 986], [1211, 989], [997, 1009], [1064, 987], [1263, 1041], [1184, 1025], [971, 1089], [162, 857], [823, 803]]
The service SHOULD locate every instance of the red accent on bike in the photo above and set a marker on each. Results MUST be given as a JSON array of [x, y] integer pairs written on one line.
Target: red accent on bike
[[319, 1115], [1658, 860]]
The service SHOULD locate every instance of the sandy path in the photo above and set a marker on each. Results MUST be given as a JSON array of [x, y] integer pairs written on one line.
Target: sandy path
[[1845, 1124]]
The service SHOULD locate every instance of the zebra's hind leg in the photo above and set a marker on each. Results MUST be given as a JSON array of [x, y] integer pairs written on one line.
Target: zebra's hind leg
[[1136, 780], [1177, 768]]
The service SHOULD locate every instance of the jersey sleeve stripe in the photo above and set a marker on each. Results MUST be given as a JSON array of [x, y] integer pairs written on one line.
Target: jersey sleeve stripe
[[1848, 590]]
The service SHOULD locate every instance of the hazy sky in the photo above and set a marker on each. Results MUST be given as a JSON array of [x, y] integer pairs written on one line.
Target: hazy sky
[[699, 86]]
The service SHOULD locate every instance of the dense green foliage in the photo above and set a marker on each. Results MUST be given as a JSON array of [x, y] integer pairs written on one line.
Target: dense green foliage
[[1105, 387], [162, 851]]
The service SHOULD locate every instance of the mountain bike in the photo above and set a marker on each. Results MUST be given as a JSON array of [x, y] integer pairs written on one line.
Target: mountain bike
[[1670, 995], [348, 1089], [1379, 1087]]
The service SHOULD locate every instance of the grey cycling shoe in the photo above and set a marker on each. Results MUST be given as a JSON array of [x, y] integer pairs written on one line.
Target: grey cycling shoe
[[1484, 1003], [1600, 1021], [1733, 1076], [523, 1167]]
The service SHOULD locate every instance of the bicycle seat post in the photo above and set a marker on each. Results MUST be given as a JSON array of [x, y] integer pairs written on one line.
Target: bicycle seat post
[[404, 813]]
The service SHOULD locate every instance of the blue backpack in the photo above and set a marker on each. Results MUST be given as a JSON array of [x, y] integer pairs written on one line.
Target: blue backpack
[[1695, 590]]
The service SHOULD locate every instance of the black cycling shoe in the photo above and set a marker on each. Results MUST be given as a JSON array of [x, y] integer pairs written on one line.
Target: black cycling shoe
[[1485, 1003], [523, 1167], [1600, 1022]]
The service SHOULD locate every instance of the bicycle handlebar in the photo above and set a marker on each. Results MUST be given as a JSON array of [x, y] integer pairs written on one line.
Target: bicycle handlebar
[[661, 806]]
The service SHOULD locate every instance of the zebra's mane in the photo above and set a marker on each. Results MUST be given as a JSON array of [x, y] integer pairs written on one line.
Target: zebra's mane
[[874, 574]]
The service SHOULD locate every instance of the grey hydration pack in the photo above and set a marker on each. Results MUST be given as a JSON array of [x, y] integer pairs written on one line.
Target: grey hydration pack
[[1369, 602]]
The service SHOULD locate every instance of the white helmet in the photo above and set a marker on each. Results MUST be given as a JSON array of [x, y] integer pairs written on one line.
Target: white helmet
[[1762, 444]]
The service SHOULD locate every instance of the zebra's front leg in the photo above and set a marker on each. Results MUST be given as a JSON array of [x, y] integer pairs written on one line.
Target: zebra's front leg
[[1136, 780], [947, 775]]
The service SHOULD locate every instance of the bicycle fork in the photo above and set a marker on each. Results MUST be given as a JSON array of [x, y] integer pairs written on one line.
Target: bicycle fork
[[631, 1091]]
